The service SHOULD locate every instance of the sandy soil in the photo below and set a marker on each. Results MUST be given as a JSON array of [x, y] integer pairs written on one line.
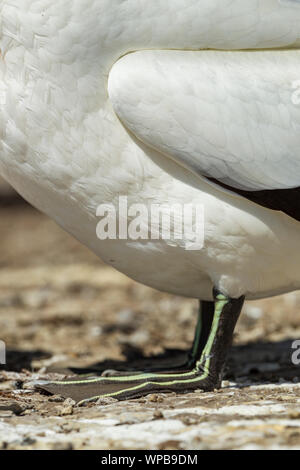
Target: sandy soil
[[61, 307]]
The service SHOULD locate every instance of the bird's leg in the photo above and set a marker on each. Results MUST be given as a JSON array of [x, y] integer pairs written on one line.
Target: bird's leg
[[203, 327], [206, 374]]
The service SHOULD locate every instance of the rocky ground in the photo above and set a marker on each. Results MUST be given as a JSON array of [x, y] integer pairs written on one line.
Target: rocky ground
[[61, 307]]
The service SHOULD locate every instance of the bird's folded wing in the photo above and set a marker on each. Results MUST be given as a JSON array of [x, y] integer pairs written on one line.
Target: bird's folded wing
[[232, 116]]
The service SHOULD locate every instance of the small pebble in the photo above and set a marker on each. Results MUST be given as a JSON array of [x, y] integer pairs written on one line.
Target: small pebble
[[15, 407], [62, 446], [69, 427], [106, 401], [158, 414], [69, 402], [56, 399], [190, 420], [155, 398], [66, 411], [28, 441]]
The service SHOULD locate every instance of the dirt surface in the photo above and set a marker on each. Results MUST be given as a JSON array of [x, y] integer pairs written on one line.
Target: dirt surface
[[61, 307]]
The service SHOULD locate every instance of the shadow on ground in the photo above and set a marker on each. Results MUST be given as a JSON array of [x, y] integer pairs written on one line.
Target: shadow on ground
[[18, 360], [255, 362]]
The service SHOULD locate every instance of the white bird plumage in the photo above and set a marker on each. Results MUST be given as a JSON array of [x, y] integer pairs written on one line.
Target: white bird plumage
[[76, 73]]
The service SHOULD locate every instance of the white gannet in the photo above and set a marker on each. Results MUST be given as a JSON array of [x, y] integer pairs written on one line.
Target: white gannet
[[165, 102]]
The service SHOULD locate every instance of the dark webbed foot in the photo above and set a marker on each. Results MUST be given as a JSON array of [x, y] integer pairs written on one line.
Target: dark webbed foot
[[208, 359]]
